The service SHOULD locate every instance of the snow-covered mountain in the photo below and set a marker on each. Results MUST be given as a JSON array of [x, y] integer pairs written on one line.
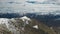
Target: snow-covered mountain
[[23, 24], [11, 26]]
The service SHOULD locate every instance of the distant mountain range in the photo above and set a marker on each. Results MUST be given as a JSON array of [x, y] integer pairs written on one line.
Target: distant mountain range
[[50, 19]]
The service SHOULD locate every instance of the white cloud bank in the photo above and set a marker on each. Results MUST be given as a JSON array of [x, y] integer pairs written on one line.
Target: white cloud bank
[[21, 6]]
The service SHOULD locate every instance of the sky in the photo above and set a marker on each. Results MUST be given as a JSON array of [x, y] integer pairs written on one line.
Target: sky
[[29, 6]]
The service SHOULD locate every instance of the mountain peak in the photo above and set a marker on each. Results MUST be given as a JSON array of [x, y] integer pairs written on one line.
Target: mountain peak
[[25, 18]]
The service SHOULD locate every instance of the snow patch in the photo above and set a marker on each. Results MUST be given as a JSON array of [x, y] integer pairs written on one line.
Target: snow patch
[[36, 26], [4, 21], [25, 18]]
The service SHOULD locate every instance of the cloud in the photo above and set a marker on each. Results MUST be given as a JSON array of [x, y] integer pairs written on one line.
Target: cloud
[[55, 2], [22, 6]]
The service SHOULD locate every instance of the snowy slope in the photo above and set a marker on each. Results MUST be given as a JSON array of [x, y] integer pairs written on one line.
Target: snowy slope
[[10, 23]]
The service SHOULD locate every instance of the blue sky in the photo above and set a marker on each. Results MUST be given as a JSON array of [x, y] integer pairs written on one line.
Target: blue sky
[[20, 6]]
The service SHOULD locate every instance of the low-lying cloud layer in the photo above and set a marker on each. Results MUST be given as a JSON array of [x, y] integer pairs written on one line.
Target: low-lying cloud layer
[[29, 6]]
